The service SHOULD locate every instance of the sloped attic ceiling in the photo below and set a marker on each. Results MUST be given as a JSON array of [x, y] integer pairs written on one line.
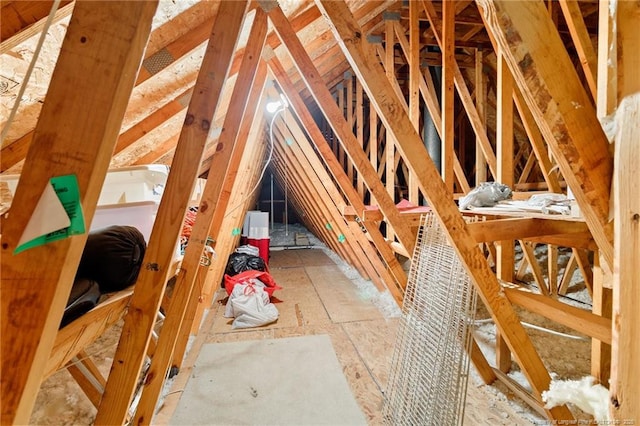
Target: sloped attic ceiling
[[354, 132]]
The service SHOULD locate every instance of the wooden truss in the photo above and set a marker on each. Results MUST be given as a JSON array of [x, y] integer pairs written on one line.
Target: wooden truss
[[360, 91]]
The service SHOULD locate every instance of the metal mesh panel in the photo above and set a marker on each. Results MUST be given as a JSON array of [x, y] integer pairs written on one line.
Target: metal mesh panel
[[428, 380], [158, 61]]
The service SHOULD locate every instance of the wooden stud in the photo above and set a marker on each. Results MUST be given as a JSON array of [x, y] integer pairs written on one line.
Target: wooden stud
[[582, 42], [602, 306], [607, 97], [528, 252], [628, 41], [85, 372], [415, 75], [481, 106], [504, 249], [348, 84], [40, 278], [625, 366], [363, 61], [233, 201], [389, 149], [448, 107], [552, 268], [359, 133]]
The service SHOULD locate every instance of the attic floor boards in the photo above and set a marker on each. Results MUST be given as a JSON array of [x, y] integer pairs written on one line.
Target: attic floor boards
[[318, 299]]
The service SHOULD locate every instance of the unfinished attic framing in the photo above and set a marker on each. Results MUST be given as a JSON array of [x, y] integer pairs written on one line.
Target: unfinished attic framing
[[394, 108]]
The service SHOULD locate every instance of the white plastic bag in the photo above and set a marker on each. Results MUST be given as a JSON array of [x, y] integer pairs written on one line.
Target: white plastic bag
[[250, 305], [487, 194]]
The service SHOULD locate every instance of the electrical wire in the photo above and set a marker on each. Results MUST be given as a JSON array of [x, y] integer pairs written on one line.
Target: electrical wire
[[36, 54], [266, 164]]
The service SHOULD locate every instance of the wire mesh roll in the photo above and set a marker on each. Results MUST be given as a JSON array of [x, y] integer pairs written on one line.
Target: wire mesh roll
[[428, 379]]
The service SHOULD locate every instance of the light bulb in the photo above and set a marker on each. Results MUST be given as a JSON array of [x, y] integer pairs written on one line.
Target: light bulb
[[273, 106]]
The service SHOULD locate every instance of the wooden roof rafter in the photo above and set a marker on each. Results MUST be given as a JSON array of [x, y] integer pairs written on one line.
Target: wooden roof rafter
[[576, 138], [362, 58], [334, 116]]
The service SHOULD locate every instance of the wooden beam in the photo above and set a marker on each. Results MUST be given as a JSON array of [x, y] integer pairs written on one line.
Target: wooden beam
[[389, 147], [40, 278], [20, 24], [519, 228], [13, 153], [481, 106], [73, 338], [607, 98], [415, 76], [183, 292], [463, 92], [447, 92], [628, 41], [582, 42], [338, 174], [87, 375], [150, 286], [625, 364], [505, 253], [575, 318], [230, 207], [323, 97], [363, 61], [551, 87]]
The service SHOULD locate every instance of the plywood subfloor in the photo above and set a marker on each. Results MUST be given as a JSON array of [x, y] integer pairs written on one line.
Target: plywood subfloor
[[318, 299]]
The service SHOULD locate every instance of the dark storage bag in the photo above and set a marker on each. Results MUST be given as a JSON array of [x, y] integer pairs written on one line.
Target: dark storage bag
[[112, 257], [240, 262], [84, 297]]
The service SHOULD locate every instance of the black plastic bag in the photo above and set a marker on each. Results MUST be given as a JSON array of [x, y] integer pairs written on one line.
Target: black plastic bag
[[240, 262], [84, 297], [112, 257]]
